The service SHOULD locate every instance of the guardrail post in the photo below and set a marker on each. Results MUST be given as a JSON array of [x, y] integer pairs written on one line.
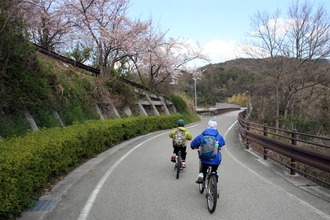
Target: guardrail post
[[247, 142], [293, 163], [265, 149]]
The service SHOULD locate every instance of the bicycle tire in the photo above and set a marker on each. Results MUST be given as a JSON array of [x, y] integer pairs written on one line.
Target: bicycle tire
[[201, 185], [178, 165], [212, 193], [201, 188]]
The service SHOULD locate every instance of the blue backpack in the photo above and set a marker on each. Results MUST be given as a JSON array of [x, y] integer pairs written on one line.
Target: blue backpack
[[208, 148]]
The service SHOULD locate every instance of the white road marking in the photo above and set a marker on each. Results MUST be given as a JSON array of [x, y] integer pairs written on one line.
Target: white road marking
[[89, 204], [317, 211]]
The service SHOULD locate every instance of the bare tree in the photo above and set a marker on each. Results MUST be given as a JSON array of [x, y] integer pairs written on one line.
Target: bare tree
[[269, 35], [309, 39], [290, 51]]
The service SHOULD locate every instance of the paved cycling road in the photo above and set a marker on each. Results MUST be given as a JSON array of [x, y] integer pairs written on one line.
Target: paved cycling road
[[136, 180]]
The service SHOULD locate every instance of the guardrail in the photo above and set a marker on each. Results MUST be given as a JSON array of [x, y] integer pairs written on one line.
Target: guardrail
[[290, 148], [83, 66], [154, 104], [219, 109]]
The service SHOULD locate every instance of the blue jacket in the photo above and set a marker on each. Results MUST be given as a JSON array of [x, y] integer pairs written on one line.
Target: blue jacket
[[197, 141]]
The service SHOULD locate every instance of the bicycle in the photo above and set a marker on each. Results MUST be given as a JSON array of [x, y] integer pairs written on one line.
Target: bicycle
[[178, 164], [210, 186]]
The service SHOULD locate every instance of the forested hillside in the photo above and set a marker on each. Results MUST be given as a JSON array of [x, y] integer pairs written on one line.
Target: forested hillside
[[299, 91]]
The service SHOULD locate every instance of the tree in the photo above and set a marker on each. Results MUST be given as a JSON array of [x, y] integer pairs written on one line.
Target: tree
[[290, 52], [8, 10], [104, 24], [80, 53], [48, 22], [17, 61], [161, 60]]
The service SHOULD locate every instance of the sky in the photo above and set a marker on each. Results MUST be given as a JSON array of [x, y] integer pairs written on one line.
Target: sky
[[219, 26]]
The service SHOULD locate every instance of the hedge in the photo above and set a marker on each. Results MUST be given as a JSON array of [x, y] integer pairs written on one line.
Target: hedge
[[29, 164]]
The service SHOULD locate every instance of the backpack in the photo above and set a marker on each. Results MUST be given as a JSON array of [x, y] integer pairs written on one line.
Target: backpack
[[179, 138], [208, 148]]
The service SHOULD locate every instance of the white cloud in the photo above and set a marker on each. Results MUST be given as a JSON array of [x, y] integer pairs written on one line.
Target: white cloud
[[221, 51], [218, 51]]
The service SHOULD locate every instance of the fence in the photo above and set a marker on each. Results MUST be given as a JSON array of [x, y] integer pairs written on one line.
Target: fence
[[306, 154], [95, 71]]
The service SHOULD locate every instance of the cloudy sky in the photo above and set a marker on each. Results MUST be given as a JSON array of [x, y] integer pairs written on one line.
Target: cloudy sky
[[219, 26]]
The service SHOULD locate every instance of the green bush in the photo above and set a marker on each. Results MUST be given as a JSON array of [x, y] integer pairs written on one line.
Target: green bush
[[13, 124], [45, 118], [179, 103], [302, 124], [29, 164]]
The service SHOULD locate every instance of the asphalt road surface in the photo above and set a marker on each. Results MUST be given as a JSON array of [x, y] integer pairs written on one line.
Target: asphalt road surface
[[136, 180]]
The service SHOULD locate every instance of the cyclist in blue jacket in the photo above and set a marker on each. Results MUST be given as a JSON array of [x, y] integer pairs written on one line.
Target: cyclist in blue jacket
[[216, 161]]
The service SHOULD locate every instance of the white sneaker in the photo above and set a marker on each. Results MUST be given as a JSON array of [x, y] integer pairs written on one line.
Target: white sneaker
[[173, 158], [200, 178]]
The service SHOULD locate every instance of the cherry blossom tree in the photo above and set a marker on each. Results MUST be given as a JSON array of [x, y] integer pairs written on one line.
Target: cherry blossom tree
[[104, 24], [162, 59], [47, 22]]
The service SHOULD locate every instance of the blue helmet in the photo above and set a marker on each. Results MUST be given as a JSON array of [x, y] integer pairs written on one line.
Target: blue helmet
[[181, 123]]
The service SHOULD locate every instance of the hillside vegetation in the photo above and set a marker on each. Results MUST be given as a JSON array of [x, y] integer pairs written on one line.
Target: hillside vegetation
[[301, 97], [73, 94]]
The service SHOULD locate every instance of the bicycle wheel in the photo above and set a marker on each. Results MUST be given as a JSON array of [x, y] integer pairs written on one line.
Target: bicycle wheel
[[178, 165], [212, 193], [201, 187]]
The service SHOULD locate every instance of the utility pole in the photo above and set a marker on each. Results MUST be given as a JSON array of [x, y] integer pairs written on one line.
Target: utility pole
[[195, 94], [249, 104]]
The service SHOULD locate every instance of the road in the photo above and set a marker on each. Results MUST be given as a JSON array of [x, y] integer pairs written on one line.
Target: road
[[136, 180]]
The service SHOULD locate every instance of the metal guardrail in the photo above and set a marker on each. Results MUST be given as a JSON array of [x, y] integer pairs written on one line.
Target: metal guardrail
[[83, 66], [66, 60], [217, 111], [296, 147]]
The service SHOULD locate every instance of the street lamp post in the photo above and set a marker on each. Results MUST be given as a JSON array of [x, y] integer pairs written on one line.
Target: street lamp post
[[195, 95]]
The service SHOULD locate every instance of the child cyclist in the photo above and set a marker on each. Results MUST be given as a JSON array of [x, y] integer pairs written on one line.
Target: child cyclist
[[216, 161], [182, 143]]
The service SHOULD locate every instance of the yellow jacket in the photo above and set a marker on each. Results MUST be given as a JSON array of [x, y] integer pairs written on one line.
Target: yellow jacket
[[188, 134]]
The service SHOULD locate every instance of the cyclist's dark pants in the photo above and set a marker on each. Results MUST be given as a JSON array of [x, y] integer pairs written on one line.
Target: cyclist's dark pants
[[203, 168], [183, 152]]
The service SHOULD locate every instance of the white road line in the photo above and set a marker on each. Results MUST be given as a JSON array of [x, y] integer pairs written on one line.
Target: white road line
[[89, 204], [317, 211]]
